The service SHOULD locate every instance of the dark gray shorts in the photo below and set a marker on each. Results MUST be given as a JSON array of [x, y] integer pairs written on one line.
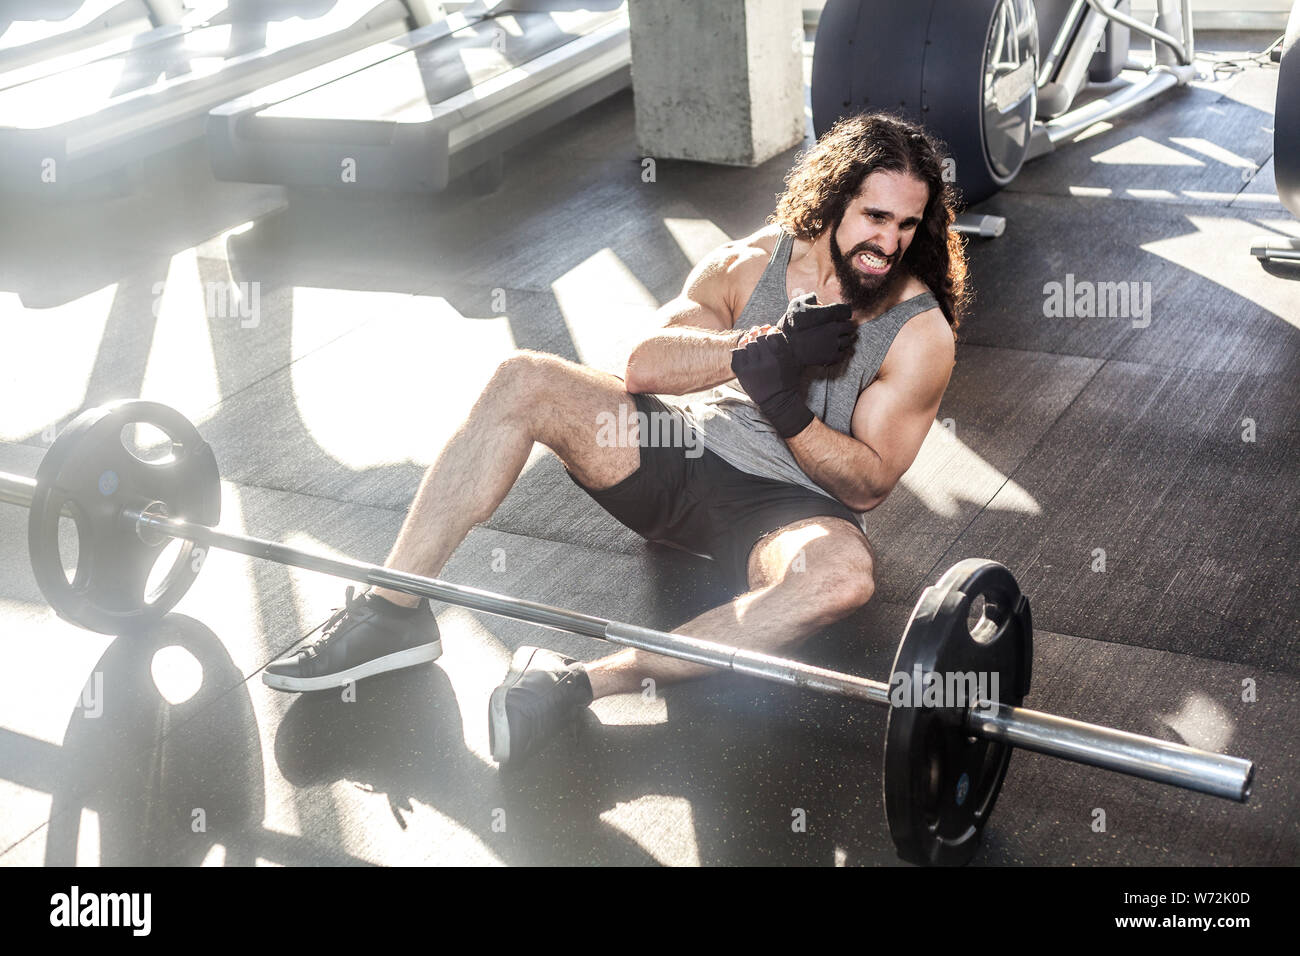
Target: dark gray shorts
[[705, 505]]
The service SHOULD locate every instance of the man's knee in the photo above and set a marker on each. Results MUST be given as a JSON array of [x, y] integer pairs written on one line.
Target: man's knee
[[522, 372], [851, 588], [527, 382], [837, 590]]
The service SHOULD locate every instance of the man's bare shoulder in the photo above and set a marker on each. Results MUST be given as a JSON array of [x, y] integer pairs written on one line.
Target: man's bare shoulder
[[912, 287], [739, 255], [925, 340], [730, 272]]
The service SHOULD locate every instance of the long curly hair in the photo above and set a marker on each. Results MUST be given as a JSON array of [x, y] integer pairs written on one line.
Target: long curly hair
[[828, 174]]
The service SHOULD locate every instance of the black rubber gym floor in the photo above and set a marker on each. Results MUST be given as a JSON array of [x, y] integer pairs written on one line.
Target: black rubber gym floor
[[379, 319]]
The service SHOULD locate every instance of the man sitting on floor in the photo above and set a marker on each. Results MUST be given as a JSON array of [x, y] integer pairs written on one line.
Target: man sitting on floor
[[811, 415]]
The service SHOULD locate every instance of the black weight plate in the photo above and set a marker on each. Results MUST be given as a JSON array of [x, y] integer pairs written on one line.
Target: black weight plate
[[940, 782], [90, 472]]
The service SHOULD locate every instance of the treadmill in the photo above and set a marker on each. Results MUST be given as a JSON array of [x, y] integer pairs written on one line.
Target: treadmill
[[411, 114], [81, 111]]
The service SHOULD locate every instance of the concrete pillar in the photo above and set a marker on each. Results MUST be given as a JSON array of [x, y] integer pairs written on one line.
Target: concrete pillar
[[717, 81], [166, 11]]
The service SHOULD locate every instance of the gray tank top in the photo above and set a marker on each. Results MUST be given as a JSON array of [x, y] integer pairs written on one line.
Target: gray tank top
[[732, 427]]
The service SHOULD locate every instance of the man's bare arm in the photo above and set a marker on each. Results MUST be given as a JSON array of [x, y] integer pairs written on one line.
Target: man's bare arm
[[890, 420], [693, 350], [679, 360]]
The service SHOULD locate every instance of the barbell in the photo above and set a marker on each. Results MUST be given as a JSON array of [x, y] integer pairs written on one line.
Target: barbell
[[954, 694]]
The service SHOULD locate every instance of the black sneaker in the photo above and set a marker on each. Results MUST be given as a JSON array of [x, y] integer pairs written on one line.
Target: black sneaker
[[542, 693], [368, 636]]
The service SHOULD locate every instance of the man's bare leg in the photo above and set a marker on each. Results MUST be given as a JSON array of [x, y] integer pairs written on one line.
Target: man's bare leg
[[782, 608], [533, 397]]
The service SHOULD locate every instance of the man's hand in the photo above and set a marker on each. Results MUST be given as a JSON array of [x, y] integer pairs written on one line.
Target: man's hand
[[768, 360], [751, 334], [769, 374], [818, 334]]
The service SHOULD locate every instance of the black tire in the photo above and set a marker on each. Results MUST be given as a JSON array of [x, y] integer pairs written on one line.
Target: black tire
[[965, 69], [1286, 119]]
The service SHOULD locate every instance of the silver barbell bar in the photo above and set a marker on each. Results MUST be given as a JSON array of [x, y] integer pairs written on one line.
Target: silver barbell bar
[[1178, 765]]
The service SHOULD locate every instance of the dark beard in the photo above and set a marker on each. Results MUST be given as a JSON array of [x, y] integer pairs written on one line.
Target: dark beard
[[862, 292]]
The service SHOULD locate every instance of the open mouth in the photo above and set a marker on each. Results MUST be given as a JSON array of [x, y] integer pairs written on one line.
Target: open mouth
[[871, 263]]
